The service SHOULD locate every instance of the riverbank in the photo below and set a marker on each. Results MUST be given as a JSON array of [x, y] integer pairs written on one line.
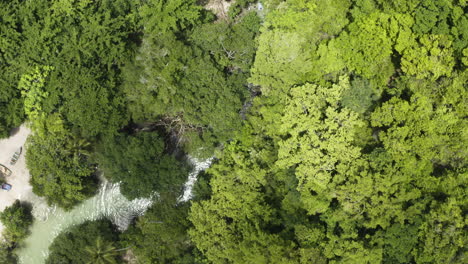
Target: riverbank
[[51, 221], [19, 179]]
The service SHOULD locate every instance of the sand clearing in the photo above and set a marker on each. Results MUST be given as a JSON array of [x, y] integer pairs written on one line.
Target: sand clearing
[[219, 7], [19, 178]]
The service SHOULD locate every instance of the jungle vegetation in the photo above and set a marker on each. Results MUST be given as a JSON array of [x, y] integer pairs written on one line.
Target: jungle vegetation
[[339, 127], [16, 220]]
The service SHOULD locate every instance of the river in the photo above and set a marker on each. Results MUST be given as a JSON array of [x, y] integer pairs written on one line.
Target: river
[[49, 222], [108, 202]]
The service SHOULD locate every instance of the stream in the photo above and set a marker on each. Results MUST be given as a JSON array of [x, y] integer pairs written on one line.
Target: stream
[[108, 203], [49, 222]]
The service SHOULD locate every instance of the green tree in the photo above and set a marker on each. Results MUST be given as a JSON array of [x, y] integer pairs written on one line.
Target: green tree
[[231, 45], [64, 177], [17, 219], [6, 255], [430, 57], [360, 96], [175, 15], [32, 90], [83, 45], [101, 252], [89, 242], [141, 164], [86, 43], [160, 236], [11, 103], [320, 141], [240, 224]]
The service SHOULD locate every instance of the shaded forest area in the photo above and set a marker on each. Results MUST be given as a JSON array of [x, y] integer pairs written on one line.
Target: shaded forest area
[[339, 127]]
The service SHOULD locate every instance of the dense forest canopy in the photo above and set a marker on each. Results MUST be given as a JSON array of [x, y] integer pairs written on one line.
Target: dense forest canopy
[[356, 150], [339, 127]]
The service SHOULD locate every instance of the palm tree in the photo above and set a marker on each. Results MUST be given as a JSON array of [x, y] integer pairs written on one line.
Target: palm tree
[[78, 146], [102, 252]]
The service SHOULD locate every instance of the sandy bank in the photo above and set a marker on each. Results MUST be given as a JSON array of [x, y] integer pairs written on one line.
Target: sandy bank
[[19, 178]]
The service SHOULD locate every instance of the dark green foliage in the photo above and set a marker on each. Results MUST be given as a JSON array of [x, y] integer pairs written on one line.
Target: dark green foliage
[[6, 254], [102, 252], [237, 6], [16, 219], [192, 73], [202, 188], [432, 17], [60, 169], [57, 158], [161, 16], [11, 105], [360, 96], [86, 44], [399, 242], [232, 46], [178, 83], [66, 63], [140, 163], [79, 243], [160, 236]]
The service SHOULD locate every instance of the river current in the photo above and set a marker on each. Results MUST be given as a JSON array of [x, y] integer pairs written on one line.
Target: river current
[[108, 203]]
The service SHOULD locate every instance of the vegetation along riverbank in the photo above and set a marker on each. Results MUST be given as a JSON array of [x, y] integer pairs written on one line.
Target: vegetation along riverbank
[[241, 131]]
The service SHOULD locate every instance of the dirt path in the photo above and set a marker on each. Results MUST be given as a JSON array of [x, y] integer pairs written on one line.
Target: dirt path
[[19, 179]]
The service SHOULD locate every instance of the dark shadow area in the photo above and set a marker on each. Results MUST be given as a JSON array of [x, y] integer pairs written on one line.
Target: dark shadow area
[[14, 131]]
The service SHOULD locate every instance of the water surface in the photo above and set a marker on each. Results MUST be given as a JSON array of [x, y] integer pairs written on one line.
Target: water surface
[[50, 221], [108, 203]]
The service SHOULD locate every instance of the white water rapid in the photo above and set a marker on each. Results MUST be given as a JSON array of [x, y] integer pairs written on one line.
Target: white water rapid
[[108, 203], [198, 166], [49, 222]]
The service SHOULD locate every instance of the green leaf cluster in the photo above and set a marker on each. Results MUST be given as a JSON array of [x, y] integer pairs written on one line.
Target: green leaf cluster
[[160, 236], [141, 165], [16, 220], [60, 169], [11, 103], [89, 242]]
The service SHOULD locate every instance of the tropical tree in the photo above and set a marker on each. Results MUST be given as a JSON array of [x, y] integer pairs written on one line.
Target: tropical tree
[[16, 218], [141, 164], [102, 252], [90, 242]]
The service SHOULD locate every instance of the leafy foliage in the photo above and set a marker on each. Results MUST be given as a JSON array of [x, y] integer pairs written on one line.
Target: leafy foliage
[[360, 96], [16, 219], [141, 164], [160, 236], [85, 43], [6, 254], [101, 252], [355, 152], [90, 242], [69, 68], [63, 175], [11, 104], [191, 71]]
